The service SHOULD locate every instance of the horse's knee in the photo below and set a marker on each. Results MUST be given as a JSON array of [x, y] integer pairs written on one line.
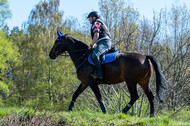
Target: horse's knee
[[150, 96]]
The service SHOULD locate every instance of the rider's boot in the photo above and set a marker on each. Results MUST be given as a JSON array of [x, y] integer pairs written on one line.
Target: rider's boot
[[98, 70]]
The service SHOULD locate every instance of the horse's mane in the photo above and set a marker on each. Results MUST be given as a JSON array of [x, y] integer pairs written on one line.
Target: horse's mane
[[80, 44]]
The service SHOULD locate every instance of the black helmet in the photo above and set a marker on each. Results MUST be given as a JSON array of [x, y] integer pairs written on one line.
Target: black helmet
[[94, 14]]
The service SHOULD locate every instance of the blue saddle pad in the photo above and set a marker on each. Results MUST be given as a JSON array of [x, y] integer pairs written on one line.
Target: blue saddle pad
[[109, 57]]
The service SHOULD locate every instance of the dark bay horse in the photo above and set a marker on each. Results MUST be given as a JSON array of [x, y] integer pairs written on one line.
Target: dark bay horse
[[132, 68]]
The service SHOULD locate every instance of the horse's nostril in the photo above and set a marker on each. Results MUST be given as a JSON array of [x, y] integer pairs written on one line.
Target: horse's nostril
[[52, 56]]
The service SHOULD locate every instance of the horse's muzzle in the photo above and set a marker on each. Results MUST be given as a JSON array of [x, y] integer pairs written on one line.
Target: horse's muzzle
[[52, 56]]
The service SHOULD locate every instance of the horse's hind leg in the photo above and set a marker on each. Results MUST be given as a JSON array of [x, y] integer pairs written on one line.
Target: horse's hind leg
[[132, 87], [150, 96], [145, 86]]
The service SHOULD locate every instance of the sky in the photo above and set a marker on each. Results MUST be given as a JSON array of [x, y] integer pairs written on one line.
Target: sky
[[77, 8]]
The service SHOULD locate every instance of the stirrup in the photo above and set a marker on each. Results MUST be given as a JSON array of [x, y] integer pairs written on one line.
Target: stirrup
[[96, 76]]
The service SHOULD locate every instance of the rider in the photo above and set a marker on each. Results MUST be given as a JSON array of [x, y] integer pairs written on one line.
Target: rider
[[101, 41]]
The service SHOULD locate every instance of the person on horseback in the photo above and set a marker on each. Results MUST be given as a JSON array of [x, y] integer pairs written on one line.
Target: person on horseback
[[101, 41]]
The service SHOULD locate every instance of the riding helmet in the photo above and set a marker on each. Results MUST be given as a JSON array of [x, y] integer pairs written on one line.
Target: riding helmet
[[94, 14]]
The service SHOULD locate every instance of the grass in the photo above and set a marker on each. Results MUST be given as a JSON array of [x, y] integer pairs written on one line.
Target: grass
[[25, 116]]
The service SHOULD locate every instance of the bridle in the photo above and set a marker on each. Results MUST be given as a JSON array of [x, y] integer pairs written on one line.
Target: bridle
[[78, 64]]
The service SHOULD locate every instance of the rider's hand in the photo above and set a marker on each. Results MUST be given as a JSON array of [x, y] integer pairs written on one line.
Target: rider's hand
[[90, 47], [94, 46]]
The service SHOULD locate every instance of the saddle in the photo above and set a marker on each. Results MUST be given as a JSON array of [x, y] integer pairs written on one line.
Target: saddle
[[107, 57]]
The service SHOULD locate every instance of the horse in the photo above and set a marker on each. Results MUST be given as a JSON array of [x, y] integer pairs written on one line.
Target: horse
[[133, 68]]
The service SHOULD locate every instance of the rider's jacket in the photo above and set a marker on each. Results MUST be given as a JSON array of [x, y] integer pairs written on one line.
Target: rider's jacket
[[99, 26]]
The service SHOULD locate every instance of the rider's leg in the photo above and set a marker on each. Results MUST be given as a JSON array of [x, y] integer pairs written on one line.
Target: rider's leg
[[102, 46], [98, 70]]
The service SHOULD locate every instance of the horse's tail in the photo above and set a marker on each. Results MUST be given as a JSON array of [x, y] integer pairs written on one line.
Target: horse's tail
[[160, 79]]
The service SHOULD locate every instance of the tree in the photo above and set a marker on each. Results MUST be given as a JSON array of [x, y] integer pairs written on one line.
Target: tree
[[177, 38], [9, 57], [5, 13], [44, 82], [121, 20]]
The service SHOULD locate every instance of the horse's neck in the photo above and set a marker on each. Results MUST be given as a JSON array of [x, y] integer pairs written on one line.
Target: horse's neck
[[76, 49]]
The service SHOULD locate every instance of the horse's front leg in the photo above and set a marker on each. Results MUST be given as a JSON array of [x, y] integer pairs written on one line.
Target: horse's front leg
[[96, 91], [80, 89]]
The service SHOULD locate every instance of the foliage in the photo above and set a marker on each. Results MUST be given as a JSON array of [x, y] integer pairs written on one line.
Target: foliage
[[9, 57], [5, 13], [121, 19], [30, 116]]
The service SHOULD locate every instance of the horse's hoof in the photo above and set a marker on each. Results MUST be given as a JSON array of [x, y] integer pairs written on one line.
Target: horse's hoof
[[69, 110], [104, 112], [124, 111], [152, 115]]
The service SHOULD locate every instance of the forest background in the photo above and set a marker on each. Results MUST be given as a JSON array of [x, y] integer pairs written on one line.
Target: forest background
[[28, 78]]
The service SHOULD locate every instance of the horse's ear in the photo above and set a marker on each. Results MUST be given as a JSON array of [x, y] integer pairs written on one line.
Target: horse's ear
[[58, 33], [61, 33]]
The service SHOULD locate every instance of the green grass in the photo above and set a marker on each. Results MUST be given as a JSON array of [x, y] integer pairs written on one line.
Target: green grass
[[27, 116]]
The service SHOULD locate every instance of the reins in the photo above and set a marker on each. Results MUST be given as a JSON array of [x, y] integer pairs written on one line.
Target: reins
[[77, 51], [82, 57]]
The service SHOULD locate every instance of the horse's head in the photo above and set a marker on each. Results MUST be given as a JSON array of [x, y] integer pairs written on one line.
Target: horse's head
[[58, 47]]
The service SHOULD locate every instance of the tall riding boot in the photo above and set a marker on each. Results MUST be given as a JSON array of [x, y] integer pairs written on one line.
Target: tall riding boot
[[98, 70]]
